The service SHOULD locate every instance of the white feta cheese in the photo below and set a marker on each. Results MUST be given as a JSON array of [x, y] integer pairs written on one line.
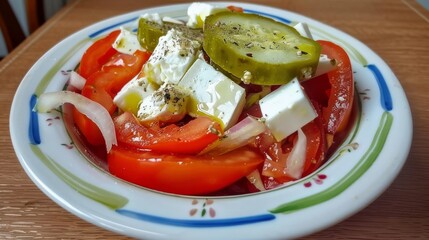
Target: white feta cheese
[[303, 29], [127, 42], [167, 104], [198, 12], [153, 17], [171, 58], [325, 65], [286, 110], [213, 93], [133, 93]]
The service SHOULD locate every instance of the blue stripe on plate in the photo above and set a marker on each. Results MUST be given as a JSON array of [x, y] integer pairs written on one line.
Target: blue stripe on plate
[[269, 15], [197, 223], [33, 126], [385, 96]]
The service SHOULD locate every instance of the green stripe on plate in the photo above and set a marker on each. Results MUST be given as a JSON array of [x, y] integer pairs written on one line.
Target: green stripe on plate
[[107, 198], [49, 76]]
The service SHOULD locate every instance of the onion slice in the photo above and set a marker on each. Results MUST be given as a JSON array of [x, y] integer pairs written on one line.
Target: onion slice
[[237, 136], [93, 110], [255, 178], [76, 80], [296, 159]]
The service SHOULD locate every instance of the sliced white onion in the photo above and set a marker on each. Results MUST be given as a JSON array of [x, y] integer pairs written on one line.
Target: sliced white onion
[[93, 110], [237, 136], [296, 159], [76, 80], [255, 178]]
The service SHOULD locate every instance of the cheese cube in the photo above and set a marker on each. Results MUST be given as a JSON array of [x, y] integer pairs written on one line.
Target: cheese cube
[[303, 29], [133, 93], [153, 17], [198, 11], [213, 93], [286, 110], [171, 58], [167, 104], [127, 42], [325, 65]]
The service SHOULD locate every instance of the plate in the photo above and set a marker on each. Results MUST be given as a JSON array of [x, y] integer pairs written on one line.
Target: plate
[[357, 173]]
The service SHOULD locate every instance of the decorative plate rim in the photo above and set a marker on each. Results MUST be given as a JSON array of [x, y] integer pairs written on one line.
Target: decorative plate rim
[[64, 175]]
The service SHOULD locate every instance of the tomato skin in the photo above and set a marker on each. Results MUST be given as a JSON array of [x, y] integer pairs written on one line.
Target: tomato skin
[[99, 95], [235, 8], [318, 89], [182, 174], [106, 72], [97, 54], [254, 110], [340, 102], [118, 71], [316, 142], [190, 138], [278, 152], [86, 126]]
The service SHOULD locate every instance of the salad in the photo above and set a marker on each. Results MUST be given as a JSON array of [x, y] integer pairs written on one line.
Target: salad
[[225, 103]]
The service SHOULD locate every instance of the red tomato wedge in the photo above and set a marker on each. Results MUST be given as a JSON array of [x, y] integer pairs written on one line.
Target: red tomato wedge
[[272, 172], [86, 126], [97, 55], [106, 72], [103, 85], [315, 153], [340, 102], [182, 174], [190, 138], [318, 89], [118, 71], [235, 8], [316, 142]]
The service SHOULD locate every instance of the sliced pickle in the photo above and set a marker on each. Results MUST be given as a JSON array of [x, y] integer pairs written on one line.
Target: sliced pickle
[[257, 49], [149, 32]]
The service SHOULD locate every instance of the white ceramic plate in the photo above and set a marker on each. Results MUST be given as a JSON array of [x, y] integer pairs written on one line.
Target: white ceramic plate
[[357, 173]]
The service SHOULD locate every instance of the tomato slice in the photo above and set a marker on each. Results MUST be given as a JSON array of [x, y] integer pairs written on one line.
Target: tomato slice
[[340, 102], [103, 85], [235, 8], [254, 110], [318, 89], [97, 55], [278, 152], [99, 95], [182, 174], [85, 125], [106, 71], [118, 71], [316, 142], [190, 138]]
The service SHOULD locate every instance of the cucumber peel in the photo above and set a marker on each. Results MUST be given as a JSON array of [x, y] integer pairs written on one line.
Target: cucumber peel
[[149, 32], [257, 49]]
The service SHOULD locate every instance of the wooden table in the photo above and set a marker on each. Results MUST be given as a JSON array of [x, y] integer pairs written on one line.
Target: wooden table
[[397, 30]]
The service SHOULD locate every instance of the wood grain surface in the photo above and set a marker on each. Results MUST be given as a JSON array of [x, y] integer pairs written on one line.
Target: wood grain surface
[[396, 30]]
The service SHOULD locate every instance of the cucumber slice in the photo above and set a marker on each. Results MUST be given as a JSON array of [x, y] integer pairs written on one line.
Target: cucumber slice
[[149, 32], [257, 49]]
